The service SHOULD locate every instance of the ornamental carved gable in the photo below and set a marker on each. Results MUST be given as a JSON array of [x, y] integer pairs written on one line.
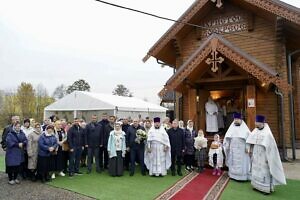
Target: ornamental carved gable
[[247, 63]]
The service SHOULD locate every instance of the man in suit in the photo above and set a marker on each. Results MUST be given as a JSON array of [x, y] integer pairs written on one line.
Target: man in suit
[[176, 137]]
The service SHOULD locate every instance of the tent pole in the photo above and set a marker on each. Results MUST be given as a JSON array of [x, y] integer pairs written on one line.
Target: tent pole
[[75, 113]]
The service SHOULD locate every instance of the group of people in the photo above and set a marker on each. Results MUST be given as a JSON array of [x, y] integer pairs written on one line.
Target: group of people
[[41, 151], [253, 155]]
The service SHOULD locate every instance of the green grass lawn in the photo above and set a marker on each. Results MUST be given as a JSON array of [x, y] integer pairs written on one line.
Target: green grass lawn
[[2, 163], [244, 191], [102, 186]]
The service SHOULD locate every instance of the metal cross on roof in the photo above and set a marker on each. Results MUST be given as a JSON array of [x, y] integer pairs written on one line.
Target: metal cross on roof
[[219, 3], [214, 61]]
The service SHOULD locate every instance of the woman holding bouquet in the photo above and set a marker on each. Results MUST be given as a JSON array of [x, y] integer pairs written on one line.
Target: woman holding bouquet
[[116, 148]]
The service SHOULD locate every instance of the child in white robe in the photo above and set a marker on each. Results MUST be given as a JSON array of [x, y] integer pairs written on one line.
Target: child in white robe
[[216, 155]]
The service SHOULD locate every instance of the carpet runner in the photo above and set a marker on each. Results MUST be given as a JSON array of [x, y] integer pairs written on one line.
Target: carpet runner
[[197, 186]]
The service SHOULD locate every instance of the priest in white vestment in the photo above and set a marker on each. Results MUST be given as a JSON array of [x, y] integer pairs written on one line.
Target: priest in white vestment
[[266, 168], [158, 151], [211, 109], [236, 150]]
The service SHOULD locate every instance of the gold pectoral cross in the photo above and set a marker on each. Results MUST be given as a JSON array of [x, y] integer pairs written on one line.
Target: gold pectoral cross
[[214, 61]]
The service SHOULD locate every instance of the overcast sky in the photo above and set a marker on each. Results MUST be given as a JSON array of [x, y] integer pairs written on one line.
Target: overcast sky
[[55, 42]]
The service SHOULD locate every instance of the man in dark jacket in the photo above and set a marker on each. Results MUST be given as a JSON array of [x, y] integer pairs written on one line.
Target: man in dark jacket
[[125, 127], [93, 134], [8, 129], [176, 136], [103, 153], [135, 147], [76, 143]]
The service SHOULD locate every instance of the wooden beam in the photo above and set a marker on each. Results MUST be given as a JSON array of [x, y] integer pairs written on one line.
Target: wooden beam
[[251, 108], [190, 84], [228, 78], [279, 28], [203, 95], [198, 32], [251, 18], [177, 46], [227, 71], [231, 85], [192, 105]]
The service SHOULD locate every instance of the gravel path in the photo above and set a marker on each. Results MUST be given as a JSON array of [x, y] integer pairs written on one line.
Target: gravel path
[[28, 190]]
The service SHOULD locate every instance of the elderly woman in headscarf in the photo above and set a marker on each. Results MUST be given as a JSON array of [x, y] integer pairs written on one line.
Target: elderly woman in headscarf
[[189, 135], [47, 146], [16, 142], [200, 145], [32, 150], [116, 148]]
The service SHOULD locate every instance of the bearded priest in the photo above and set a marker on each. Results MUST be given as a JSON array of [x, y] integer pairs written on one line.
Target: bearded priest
[[236, 150], [266, 170], [158, 154]]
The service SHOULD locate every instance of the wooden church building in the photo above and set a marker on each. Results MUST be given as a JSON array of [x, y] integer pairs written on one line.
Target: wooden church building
[[244, 54]]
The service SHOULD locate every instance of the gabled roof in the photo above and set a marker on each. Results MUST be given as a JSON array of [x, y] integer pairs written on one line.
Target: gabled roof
[[215, 42], [275, 7], [79, 100]]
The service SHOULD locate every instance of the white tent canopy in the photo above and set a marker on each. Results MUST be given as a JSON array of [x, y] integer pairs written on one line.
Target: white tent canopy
[[84, 104]]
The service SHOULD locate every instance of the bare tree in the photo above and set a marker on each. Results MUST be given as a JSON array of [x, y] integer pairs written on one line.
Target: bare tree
[[59, 92], [42, 100]]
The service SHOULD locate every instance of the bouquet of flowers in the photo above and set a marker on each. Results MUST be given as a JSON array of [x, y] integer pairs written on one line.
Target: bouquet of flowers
[[214, 145], [200, 142], [141, 136]]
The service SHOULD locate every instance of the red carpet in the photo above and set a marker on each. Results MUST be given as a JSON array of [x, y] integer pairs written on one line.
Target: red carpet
[[198, 187]]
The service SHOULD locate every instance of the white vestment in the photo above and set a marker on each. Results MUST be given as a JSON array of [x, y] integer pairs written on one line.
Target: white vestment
[[266, 169], [235, 149], [219, 152], [158, 161], [211, 117]]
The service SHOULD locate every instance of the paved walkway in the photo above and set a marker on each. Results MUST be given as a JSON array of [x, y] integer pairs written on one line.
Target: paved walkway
[[292, 169], [29, 190]]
